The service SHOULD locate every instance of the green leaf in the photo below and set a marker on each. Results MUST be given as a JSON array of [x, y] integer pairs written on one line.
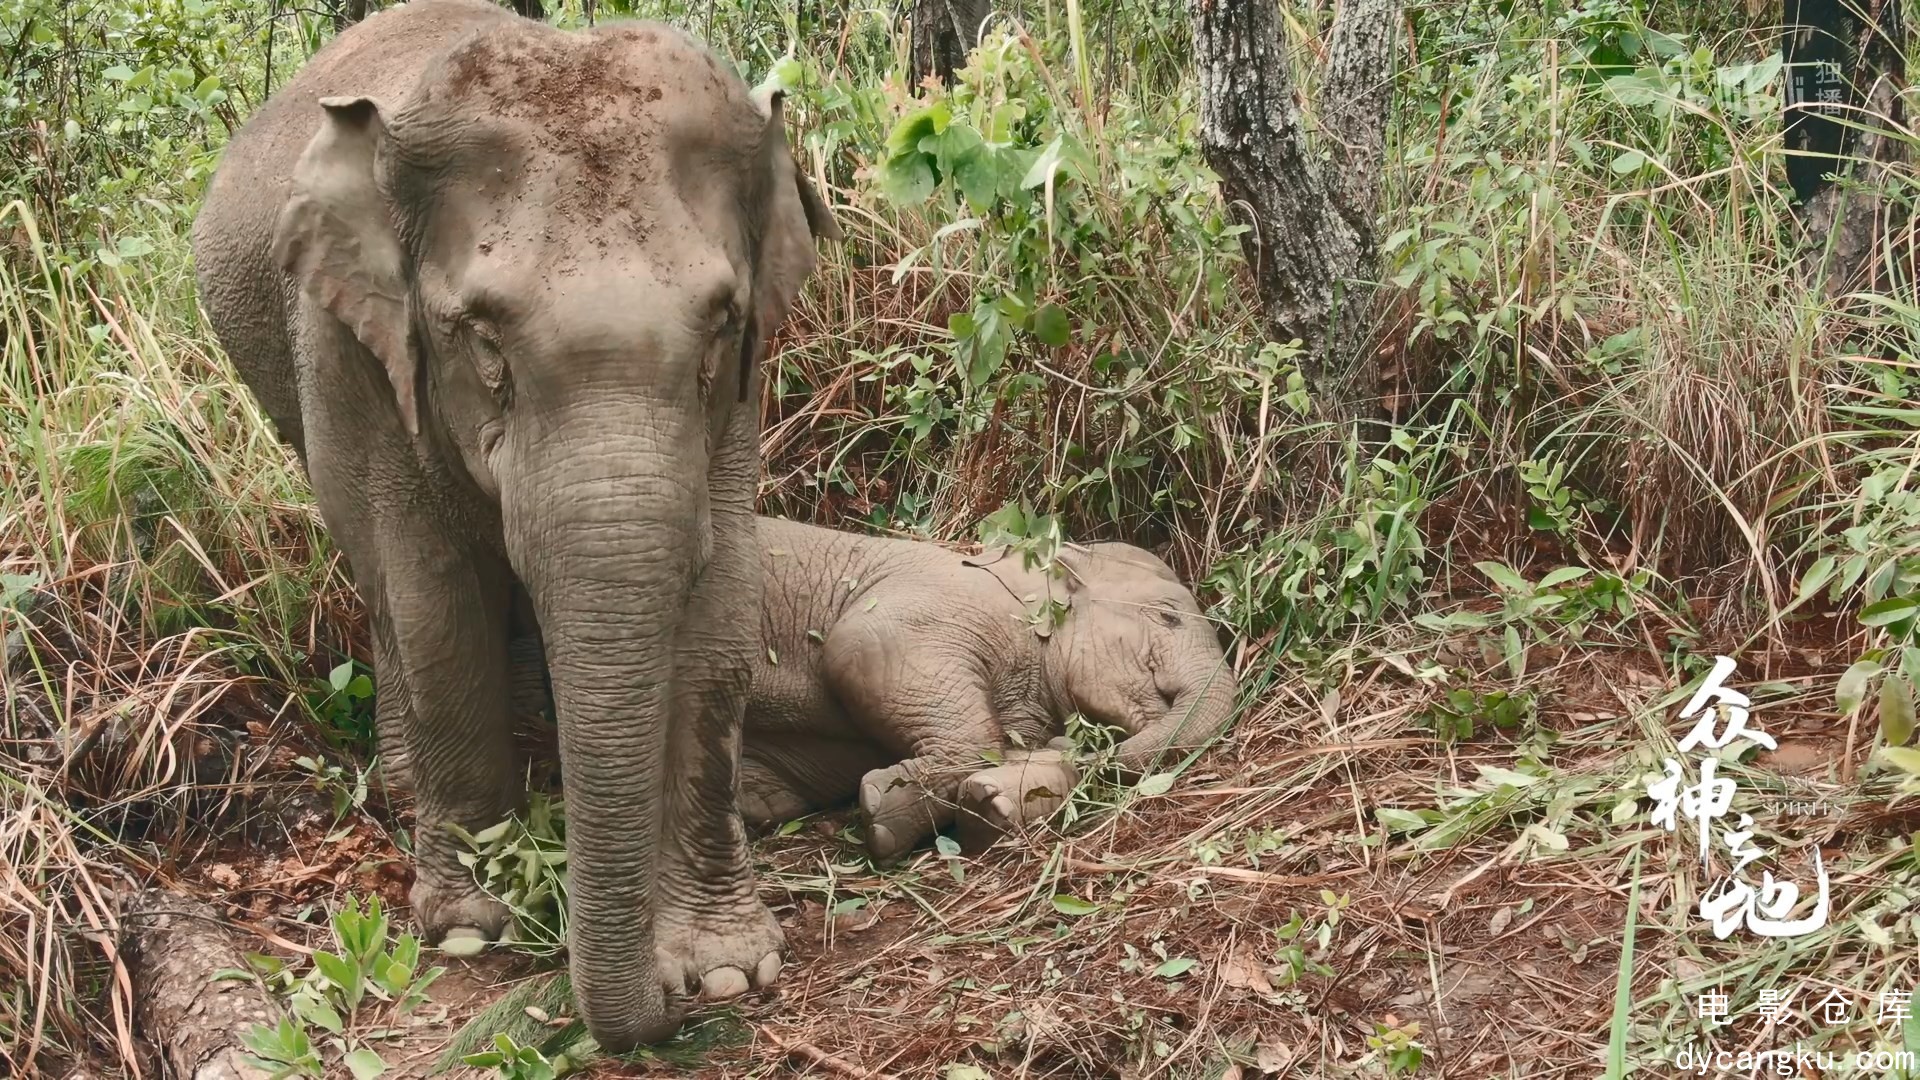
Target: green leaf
[[1896, 710], [1816, 576], [1050, 325], [1400, 821], [1157, 784], [791, 827], [947, 846], [1068, 904], [319, 1013], [340, 676], [1563, 575], [1629, 161], [1889, 611], [1904, 758], [908, 179], [1175, 967], [342, 973], [1503, 576], [1050, 162], [364, 1064], [1852, 689]]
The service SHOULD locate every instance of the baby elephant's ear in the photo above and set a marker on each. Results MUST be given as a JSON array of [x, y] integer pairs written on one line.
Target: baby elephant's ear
[[1138, 558], [336, 238]]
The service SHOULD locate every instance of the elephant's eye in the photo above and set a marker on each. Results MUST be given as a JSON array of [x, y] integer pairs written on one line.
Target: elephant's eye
[[483, 344]]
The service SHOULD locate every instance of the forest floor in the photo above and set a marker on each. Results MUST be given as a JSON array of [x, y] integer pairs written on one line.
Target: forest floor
[[1260, 916]]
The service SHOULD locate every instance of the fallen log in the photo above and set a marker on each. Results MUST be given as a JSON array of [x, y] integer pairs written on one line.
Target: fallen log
[[174, 946]]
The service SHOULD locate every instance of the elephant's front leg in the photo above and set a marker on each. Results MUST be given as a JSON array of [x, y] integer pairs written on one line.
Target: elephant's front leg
[[446, 624], [713, 935]]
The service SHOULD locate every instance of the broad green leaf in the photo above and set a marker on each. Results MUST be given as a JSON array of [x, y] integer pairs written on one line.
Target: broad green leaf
[[1904, 758], [947, 846], [1629, 161], [1852, 689], [1816, 576], [1050, 325], [1400, 821], [1067, 904], [1156, 784], [907, 179], [1889, 611], [1175, 967], [364, 1064], [318, 1013], [1896, 710], [1563, 575], [340, 676], [492, 834], [1502, 575]]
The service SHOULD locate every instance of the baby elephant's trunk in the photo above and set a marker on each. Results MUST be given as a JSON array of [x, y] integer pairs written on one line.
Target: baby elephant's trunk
[[1198, 713]]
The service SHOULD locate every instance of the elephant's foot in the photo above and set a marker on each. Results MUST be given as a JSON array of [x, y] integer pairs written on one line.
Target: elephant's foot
[[715, 950], [1027, 789], [456, 909], [902, 808]]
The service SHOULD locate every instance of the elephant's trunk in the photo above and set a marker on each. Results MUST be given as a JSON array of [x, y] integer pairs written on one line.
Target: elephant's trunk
[[1201, 710], [608, 547]]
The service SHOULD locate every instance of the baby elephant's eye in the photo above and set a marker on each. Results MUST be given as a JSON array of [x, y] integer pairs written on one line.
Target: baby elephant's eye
[[1169, 617]]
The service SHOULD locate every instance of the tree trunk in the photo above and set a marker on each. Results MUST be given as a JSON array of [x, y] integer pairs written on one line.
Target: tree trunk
[[944, 32], [348, 12], [1844, 77], [532, 9], [175, 946], [1312, 213]]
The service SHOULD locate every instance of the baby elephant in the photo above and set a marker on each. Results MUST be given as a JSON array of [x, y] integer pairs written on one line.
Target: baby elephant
[[892, 668]]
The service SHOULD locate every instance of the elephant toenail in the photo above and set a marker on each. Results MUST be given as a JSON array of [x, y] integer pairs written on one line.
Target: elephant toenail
[[464, 941], [869, 797], [881, 840], [1003, 806], [724, 982], [768, 970]]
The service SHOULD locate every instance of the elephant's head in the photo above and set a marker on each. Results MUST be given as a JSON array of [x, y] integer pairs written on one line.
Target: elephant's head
[[1135, 652], [564, 255]]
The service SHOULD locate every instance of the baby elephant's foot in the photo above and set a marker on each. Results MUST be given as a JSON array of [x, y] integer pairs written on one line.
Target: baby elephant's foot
[[1006, 798], [456, 914], [902, 809], [718, 951]]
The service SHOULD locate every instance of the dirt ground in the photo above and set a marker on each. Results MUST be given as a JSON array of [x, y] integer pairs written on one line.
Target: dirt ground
[[1256, 918]]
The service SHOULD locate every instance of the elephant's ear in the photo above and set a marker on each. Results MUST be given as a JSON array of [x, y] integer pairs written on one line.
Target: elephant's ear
[[337, 240], [796, 216]]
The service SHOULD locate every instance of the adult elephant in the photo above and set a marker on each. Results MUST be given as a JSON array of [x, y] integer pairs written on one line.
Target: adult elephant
[[505, 289]]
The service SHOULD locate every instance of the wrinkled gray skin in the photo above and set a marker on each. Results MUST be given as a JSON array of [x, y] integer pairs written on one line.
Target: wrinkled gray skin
[[500, 287], [890, 666]]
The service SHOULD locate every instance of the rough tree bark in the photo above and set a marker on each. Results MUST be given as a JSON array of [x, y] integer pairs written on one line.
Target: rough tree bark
[[1312, 207], [348, 12], [174, 946], [944, 32], [1846, 70]]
